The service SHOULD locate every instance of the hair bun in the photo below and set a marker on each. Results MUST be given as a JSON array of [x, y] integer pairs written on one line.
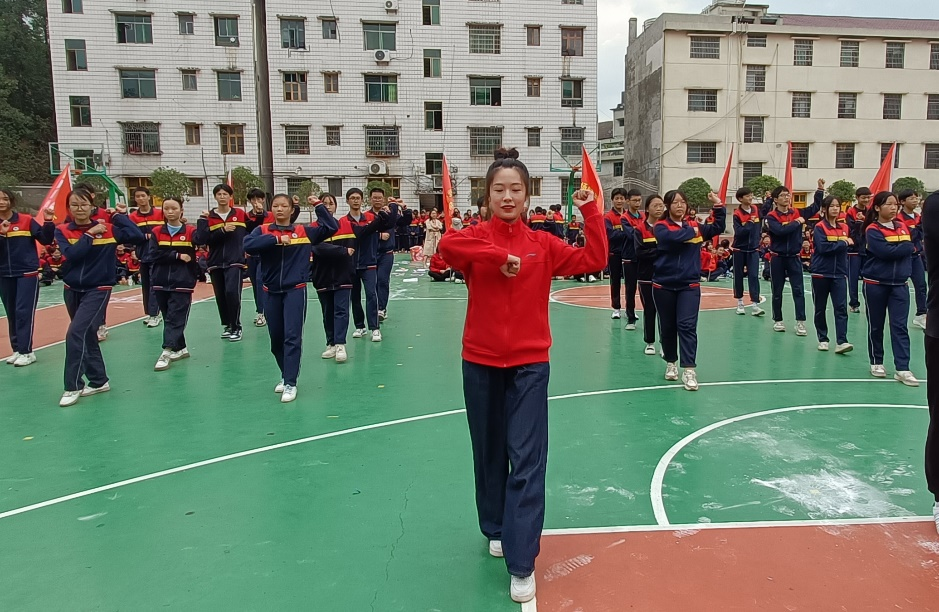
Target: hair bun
[[503, 153]]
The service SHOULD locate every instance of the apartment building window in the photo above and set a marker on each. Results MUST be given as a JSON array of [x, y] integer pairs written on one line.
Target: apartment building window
[[292, 34], [800, 155], [533, 35], [198, 188], [581, 2], [382, 141], [433, 163], [432, 67], [330, 29], [138, 83], [232, 138], [801, 104], [534, 136], [572, 140], [380, 36], [484, 141], [187, 24], [756, 40], [433, 116], [133, 182], [381, 88], [572, 42], [753, 129], [803, 52], [885, 150], [702, 153], [334, 185], [850, 53], [932, 157], [485, 39], [477, 188], [190, 80], [72, 6], [295, 184], [705, 47], [847, 105], [533, 87], [844, 155], [297, 139], [896, 52], [486, 91], [331, 82], [934, 56], [193, 133], [141, 138], [75, 56], [932, 107], [295, 87], [572, 93], [756, 78], [893, 106], [431, 12], [702, 100], [229, 86], [333, 139], [534, 189], [79, 108], [226, 32], [618, 168], [134, 29], [751, 170]]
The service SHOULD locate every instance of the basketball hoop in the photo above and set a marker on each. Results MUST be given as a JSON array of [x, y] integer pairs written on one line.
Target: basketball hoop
[[575, 168]]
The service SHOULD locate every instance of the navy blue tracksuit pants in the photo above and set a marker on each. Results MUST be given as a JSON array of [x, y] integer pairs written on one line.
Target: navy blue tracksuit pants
[[881, 301], [855, 263], [615, 264], [83, 357], [174, 306], [782, 268], [631, 281], [286, 313], [386, 262], [151, 307], [837, 289], [678, 322], [335, 305], [648, 311], [919, 283], [20, 295], [507, 411], [254, 275], [750, 261], [932, 398], [367, 278], [226, 284]]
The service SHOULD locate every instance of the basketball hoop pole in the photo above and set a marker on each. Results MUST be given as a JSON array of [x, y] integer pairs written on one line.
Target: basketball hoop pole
[[571, 188]]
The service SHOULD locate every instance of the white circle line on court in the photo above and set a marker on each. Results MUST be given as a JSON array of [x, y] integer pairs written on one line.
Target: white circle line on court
[[343, 432], [553, 299], [658, 476]]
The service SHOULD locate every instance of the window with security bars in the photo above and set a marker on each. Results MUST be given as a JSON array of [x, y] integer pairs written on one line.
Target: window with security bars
[[380, 36], [844, 155], [297, 139], [432, 68], [801, 104], [486, 91], [381, 88], [534, 137], [294, 185], [705, 47], [75, 56], [572, 140], [932, 107], [756, 78], [572, 42], [193, 133], [485, 39], [702, 100], [477, 188], [484, 141], [803, 52], [885, 150], [433, 116], [756, 41], [295, 87], [433, 163], [190, 80], [333, 136], [331, 82], [533, 35], [79, 108], [932, 157], [226, 32], [572, 2], [850, 53], [572, 93], [896, 53], [232, 138], [800, 155], [134, 29], [430, 10], [292, 34], [893, 105], [533, 87], [753, 129], [702, 153], [618, 168], [141, 138], [751, 170], [138, 83], [847, 106], [934, 56], [382, 141]]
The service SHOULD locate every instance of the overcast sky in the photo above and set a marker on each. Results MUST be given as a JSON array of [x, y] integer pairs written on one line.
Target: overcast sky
[[614, 27]]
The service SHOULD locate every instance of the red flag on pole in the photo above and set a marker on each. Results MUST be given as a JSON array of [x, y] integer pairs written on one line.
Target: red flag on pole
[[725, 182], [230, 180], [447, 196], [883, 182], [57, 197], [589, 179], [787, 180]]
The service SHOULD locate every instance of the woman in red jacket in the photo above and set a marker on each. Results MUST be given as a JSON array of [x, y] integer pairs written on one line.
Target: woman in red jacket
[[508, 269]]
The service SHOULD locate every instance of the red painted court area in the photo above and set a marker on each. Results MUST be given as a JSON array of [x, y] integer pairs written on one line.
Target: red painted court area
[[875, 567], [597, 295]]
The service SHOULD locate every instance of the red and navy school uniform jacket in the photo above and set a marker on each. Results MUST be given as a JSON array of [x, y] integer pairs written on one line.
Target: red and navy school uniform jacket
[[889, 258], [615, 236], [90, 261], [146, 222], [170, 273], [333, 267], [647, 251], [747, 229], [855, 219], [254, 220], [830, 257], [18, 254], [630, 224], [437, 264], [285, 267], [51, 264], [226, 249], [366, 245], [537, 221], [679, 244], [785, 232], [912, 223], [395, 219]]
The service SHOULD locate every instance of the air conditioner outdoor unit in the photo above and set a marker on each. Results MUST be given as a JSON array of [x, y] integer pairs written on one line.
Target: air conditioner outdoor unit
[[391, 6], [382, 56], [377, 168]]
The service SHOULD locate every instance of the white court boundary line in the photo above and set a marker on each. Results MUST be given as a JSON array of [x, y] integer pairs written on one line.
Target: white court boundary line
[[658, 476]]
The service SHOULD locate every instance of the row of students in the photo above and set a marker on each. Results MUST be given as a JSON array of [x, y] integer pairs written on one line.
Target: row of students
[[619, 222]]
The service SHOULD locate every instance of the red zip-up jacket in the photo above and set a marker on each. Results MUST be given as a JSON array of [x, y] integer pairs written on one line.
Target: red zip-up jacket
[[507, 318]]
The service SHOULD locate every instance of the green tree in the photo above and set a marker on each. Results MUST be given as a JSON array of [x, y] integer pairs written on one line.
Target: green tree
[[168, 182], [243, 180], [696, 190], [843, 190], [910, 182], [759, 185], [101, 187], [306, 189]]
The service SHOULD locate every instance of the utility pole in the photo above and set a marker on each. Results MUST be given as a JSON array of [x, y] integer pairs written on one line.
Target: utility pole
[[262, 89]]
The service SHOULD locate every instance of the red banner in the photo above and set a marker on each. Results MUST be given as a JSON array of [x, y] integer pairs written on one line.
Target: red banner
[[589, 179], [883, 182], [447, 196], [725, 182], [57, 197], [787, 180]]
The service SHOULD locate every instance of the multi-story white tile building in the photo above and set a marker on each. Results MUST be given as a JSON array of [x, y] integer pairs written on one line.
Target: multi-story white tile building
[[840, 88], [359, 89]]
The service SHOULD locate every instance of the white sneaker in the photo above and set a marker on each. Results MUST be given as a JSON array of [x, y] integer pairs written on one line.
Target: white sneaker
[[615, 315], [153, 321], [671, 371], [279, 387], [89, 390], [382, 315], [523, 589], [163, 362], [630, 327], [359, 333], [102, 333], [226, 334], [180, 354], [650, 349], [779, 326], [25, 360], [260, 320], [741, 310], [591, 279], [341, 353], [12, 358], [689, 378], [907, 378], [289, 394], [460, 281], [495, 548], [330, 352], [919, 321], [376, 335], [841, 349], [800, 329], [756, 311], [69, 398], [823, 346], [878, 371], [935, 515]]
